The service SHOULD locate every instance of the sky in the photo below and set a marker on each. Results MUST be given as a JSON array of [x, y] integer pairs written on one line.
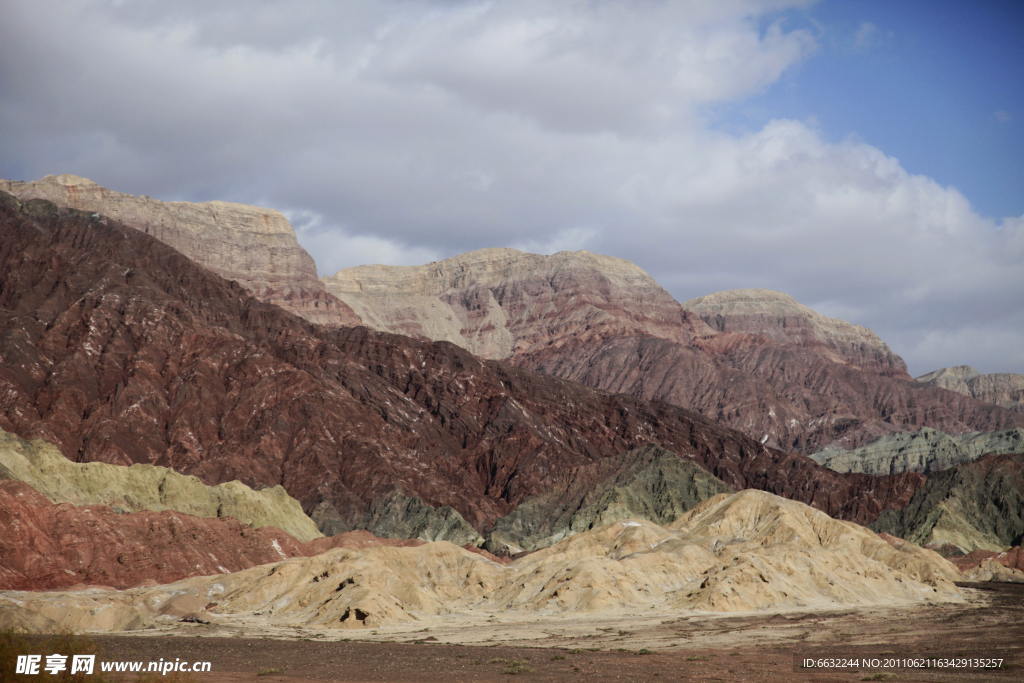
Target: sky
[[865, 157]]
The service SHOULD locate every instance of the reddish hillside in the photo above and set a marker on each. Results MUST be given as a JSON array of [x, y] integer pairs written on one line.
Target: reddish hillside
[[45, 546], [755, 360], [117, 348], [48, 547], [791, 395]]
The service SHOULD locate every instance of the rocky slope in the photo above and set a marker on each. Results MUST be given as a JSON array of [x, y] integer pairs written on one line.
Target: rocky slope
[[738, 552], [147, 487], [784, 395], [47, 546], [648, 483], [926, 450], [972, 506], [1002, 388], [254, 246], [398, 516], [754, 360], [985, 565], [118, 349]]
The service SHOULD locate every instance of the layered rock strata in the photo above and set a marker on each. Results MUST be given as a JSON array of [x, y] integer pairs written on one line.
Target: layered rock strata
[[784, 395], [972, 506], [752, 359], [254, 246], [926, 450], [779, 318], [147, 487], [118, 349], [46, 546], [1002, 388], [498, 303], [740, 552]]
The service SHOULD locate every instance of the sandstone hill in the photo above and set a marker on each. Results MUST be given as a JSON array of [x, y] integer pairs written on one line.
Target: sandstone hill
[[754, 360], [254, 246], [734, 552], [147, 487], [972, 506], [926, 450], [1002, 388], [118, 349]]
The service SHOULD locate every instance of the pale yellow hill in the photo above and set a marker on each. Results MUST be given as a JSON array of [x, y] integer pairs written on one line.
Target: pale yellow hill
[[147, 487], [736, 552]]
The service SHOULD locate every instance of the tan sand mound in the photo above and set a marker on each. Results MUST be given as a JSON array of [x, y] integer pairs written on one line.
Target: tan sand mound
[[751, 519], [739, 552], [147, 487]]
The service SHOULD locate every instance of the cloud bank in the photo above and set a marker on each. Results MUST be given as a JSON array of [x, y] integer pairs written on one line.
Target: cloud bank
[[406, 131]]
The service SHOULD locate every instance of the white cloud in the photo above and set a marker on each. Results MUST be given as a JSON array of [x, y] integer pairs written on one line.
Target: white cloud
[[334, 248], [567, 239], [978, 347], [866, 34], [405, 132]]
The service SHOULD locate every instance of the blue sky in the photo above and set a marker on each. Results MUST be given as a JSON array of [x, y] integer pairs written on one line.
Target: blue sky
[[938, 84], [866, 158]]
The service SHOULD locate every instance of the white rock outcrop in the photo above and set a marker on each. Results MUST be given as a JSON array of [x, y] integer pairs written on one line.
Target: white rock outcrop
[[1001, 388]]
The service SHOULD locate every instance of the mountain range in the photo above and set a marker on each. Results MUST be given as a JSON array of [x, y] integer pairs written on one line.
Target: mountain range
[[754, 360], [497, 398], [119, 349]]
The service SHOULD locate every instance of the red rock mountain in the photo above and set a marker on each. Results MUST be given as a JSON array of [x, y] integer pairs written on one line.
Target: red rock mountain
[[755, 360], [256, 247], [117, 348]]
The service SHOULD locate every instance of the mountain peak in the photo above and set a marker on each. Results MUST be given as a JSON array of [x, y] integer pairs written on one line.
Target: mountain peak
[[499, 302], [487, 267], [780, 318], [69, 179], [960, 372], [254, 246]]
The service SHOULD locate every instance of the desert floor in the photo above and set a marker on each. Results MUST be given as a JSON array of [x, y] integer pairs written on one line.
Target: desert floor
[[620, 648]]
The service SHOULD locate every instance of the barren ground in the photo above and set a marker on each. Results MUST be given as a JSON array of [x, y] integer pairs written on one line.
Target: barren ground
[[748, 647]]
